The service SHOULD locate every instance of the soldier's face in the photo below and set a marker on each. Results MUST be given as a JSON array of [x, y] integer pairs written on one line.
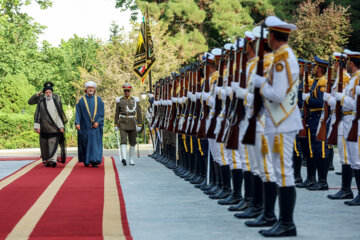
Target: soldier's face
[[127, 93]]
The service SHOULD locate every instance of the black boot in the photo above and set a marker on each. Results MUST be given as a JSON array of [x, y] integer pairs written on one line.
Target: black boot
[[202, 164], [311, 171], [345, 192], [219, 182], [331, 159], [212, 182], [249, 193], [226, 190], [297, 168], [235, 197], [267, 218], [356, 200], [257, 203], [323, 168], [285, 225]]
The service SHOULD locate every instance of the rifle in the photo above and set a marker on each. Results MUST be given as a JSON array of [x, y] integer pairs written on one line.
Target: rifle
[[227, 101], [322, 131], [239, 109], [180, 95], [250, 134], [170, 125], [334, 132], [185, 108], [197, 105], [160, 107], [303, 132], [192, 104], [156, 91], [353, 134], [210, 133], [204, 108]]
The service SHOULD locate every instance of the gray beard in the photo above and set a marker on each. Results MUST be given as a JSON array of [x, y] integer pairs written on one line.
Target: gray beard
[[48, 98]]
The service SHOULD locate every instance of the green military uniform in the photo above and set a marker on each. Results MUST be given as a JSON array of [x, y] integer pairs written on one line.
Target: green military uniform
[[128, 120]]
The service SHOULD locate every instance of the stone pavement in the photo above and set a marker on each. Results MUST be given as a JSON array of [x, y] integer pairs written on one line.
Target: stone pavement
[[161, 205]]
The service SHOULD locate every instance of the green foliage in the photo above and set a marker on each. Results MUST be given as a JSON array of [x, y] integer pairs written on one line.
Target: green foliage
[[15, 92], [320, 32]]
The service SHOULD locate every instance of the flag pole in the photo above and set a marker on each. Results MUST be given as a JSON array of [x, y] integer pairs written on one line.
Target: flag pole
[[150, 84]]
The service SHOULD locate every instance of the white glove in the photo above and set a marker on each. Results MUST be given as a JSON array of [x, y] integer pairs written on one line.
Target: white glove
[[115, 129], [357, 89], [218, 125], [258, 80], [326, 96], [138, 129], [332, 102], [250, 99], [240, 93], [305, 96], [339, 96]]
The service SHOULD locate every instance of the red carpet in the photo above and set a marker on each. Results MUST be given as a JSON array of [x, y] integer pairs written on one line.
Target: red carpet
[[66, 202]]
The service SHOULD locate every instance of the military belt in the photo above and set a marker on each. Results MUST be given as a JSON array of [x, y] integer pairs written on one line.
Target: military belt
[[126, 116], [347, 113], [316, 109]]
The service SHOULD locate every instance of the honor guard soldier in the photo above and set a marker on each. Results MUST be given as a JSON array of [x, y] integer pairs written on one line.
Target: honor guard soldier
[[127, 123], [319, 152], [282, 120], [349, 100]]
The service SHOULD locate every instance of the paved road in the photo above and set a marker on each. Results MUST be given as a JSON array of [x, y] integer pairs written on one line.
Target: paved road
[[160, 205]]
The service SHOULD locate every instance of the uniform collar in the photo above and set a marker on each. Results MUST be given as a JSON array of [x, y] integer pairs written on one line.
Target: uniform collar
[[355, 73], [282, 48]]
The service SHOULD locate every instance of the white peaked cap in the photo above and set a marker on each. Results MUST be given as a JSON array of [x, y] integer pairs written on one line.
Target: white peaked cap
[[276, 24], [90, 84], [338, 55], [351, 53], [216, 52], [249, 36], [228, 46], [241, 43], [257, 32], [210, 56]]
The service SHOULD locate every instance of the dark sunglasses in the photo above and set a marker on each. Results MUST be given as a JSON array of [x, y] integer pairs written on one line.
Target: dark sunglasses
[[126, 90]]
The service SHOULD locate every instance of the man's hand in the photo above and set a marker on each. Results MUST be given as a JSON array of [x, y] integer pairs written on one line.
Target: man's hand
[[115, 129], [39, 93], [95, 125], [138, 129], [77, 127], [258, 80], [37, 130], [305, 96], [62, 130]]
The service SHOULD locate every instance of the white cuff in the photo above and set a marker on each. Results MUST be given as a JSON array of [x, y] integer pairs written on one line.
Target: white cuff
[[222, 93], [217, 89], [36, 125], [240, 93], [198, 95], [228, 91], [174, 100]]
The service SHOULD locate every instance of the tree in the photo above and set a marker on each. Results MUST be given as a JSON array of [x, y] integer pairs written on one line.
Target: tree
[[320, 33], [198, 25]]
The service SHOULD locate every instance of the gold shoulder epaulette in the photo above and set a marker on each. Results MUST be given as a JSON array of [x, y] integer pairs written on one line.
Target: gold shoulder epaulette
[[346, 79], [281, 56], [322, 82]]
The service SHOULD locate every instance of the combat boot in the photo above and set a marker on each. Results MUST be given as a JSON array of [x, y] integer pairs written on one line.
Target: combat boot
[[267, 217], [226, 189], [246, 202], [345, 192], [235, 197], [285, 225], [311, 171], [257, 202], [321, 184], [356, 200]]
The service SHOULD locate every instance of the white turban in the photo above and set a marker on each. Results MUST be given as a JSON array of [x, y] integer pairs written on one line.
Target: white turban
[[90, 84]]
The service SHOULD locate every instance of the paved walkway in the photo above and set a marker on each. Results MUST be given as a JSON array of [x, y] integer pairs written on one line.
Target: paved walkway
[[160, 205]]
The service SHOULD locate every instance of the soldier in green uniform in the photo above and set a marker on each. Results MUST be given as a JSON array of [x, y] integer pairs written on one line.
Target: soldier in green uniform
[[128, 121]]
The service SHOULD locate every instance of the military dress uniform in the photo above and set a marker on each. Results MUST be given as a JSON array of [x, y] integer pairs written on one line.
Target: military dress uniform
[[345, 192], [128, 119], [282, 121]]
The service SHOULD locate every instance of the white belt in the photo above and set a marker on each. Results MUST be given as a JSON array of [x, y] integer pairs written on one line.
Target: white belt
[[125, 116]]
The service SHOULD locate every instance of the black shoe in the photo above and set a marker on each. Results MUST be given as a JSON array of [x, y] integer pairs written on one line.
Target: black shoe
[[342, 194], [86, 164], [94, 165], [280, 229], [331, 168], [338, 173], [53, 164], [242, 206], [306, 183], [251, 212], [224, 193], [231, 199], [47, 164], [298, 180], [262, 221], [123, 162], [354, 202], [318, 186]]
